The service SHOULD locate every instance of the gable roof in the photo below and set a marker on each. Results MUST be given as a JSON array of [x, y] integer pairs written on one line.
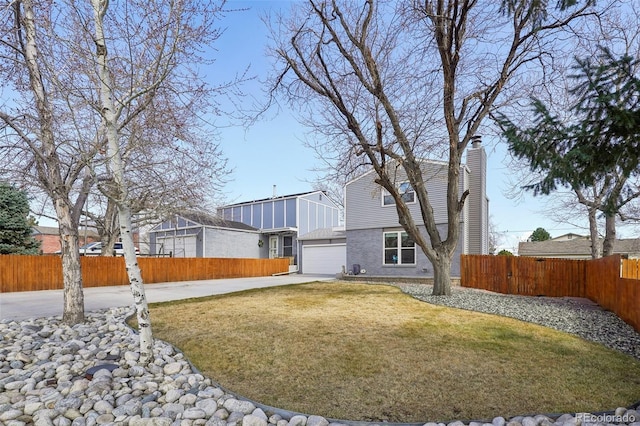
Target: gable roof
[[574, 247]]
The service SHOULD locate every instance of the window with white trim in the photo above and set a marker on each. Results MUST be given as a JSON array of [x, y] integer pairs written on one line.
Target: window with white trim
[[399, 248], [406, 192]]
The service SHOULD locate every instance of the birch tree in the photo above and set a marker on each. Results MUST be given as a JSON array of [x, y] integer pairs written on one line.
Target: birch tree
[[33, 134], [388, 84], [55, 127]]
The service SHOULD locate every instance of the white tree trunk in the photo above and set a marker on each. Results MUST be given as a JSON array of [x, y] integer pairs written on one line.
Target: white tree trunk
[[118, 191]]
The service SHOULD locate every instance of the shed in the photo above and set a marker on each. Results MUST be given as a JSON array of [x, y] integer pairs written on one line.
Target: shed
[[196, 234]]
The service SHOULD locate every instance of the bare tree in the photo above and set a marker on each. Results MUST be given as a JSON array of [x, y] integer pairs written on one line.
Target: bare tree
[[32, 138], [54, 122], [387, 84]]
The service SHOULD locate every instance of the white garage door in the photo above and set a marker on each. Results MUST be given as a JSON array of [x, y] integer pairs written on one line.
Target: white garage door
[[324, 259]]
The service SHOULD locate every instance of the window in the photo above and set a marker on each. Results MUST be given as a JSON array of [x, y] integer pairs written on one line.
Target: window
[[399, 249], [287, 246], [406, 192]]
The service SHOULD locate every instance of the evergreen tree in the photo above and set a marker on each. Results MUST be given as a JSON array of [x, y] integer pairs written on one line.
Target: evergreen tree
[[15, 226], [540, 234]]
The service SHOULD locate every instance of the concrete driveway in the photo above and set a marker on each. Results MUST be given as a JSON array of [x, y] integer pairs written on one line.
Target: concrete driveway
[[33, 304]]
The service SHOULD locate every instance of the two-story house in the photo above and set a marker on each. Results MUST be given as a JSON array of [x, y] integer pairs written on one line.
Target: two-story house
[[377, 243], [281, 220]]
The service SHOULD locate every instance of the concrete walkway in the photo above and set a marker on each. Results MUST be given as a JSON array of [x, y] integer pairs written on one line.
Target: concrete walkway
[[30, 304]]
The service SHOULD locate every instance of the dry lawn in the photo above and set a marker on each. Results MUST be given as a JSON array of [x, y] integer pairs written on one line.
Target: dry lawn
[[371, 353]]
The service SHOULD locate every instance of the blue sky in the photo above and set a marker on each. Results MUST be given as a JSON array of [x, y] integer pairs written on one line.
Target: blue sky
[[271, 153]]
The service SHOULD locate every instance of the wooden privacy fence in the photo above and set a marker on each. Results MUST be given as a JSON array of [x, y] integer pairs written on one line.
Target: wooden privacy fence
[[631, 269], [605, 281], [29, 273]]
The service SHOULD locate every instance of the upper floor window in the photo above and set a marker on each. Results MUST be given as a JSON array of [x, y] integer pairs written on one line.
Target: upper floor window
[[406, 192]]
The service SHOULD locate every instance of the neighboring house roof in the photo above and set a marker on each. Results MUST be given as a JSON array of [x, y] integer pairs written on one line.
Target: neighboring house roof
[[46, 230], [324, 234], [279, 197], [53, 230], [205, 219], [575, 248], [570, 236]]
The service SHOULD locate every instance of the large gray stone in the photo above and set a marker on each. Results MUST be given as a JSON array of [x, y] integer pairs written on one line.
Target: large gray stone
[[253, 420], [298, 420], [317, 421], [156, 421], [233, 404], [209, 405]]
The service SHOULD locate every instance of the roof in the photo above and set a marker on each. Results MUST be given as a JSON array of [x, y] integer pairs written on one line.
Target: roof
[[215, 221], [47, 230], [54, 230], [574, 247], [280, 197], [324, 234]]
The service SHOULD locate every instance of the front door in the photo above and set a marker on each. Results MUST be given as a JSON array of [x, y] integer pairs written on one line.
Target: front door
[[273, 247]]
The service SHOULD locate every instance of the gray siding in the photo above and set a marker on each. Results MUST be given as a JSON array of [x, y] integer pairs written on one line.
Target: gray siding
[[307, 212], [290, 212], [231, 243], [478, 202], [316, 211], [256, 218], [364, 207], [365, 248], [267, 215]]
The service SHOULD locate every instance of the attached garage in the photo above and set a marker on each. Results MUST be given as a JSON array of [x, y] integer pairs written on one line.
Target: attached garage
[[324, 259], [324, 251]]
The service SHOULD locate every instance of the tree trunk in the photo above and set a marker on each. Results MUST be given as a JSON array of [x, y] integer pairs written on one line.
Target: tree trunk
[[118, 190], [593, 233], [442, 275], [73, 297], [609, 235], [48, 165], [136, 284]]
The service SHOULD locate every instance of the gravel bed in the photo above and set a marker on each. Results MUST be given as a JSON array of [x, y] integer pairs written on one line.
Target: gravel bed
[[572, 315]]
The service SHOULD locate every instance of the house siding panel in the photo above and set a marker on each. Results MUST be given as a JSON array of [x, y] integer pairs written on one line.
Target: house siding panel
[[364, 207], [478, 212], [256, 221], [236, 214], [313, 217], [229, 243], [303, 224], [246, 215], [321, 223], [291, 211], [267, 215], [278, 214]]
